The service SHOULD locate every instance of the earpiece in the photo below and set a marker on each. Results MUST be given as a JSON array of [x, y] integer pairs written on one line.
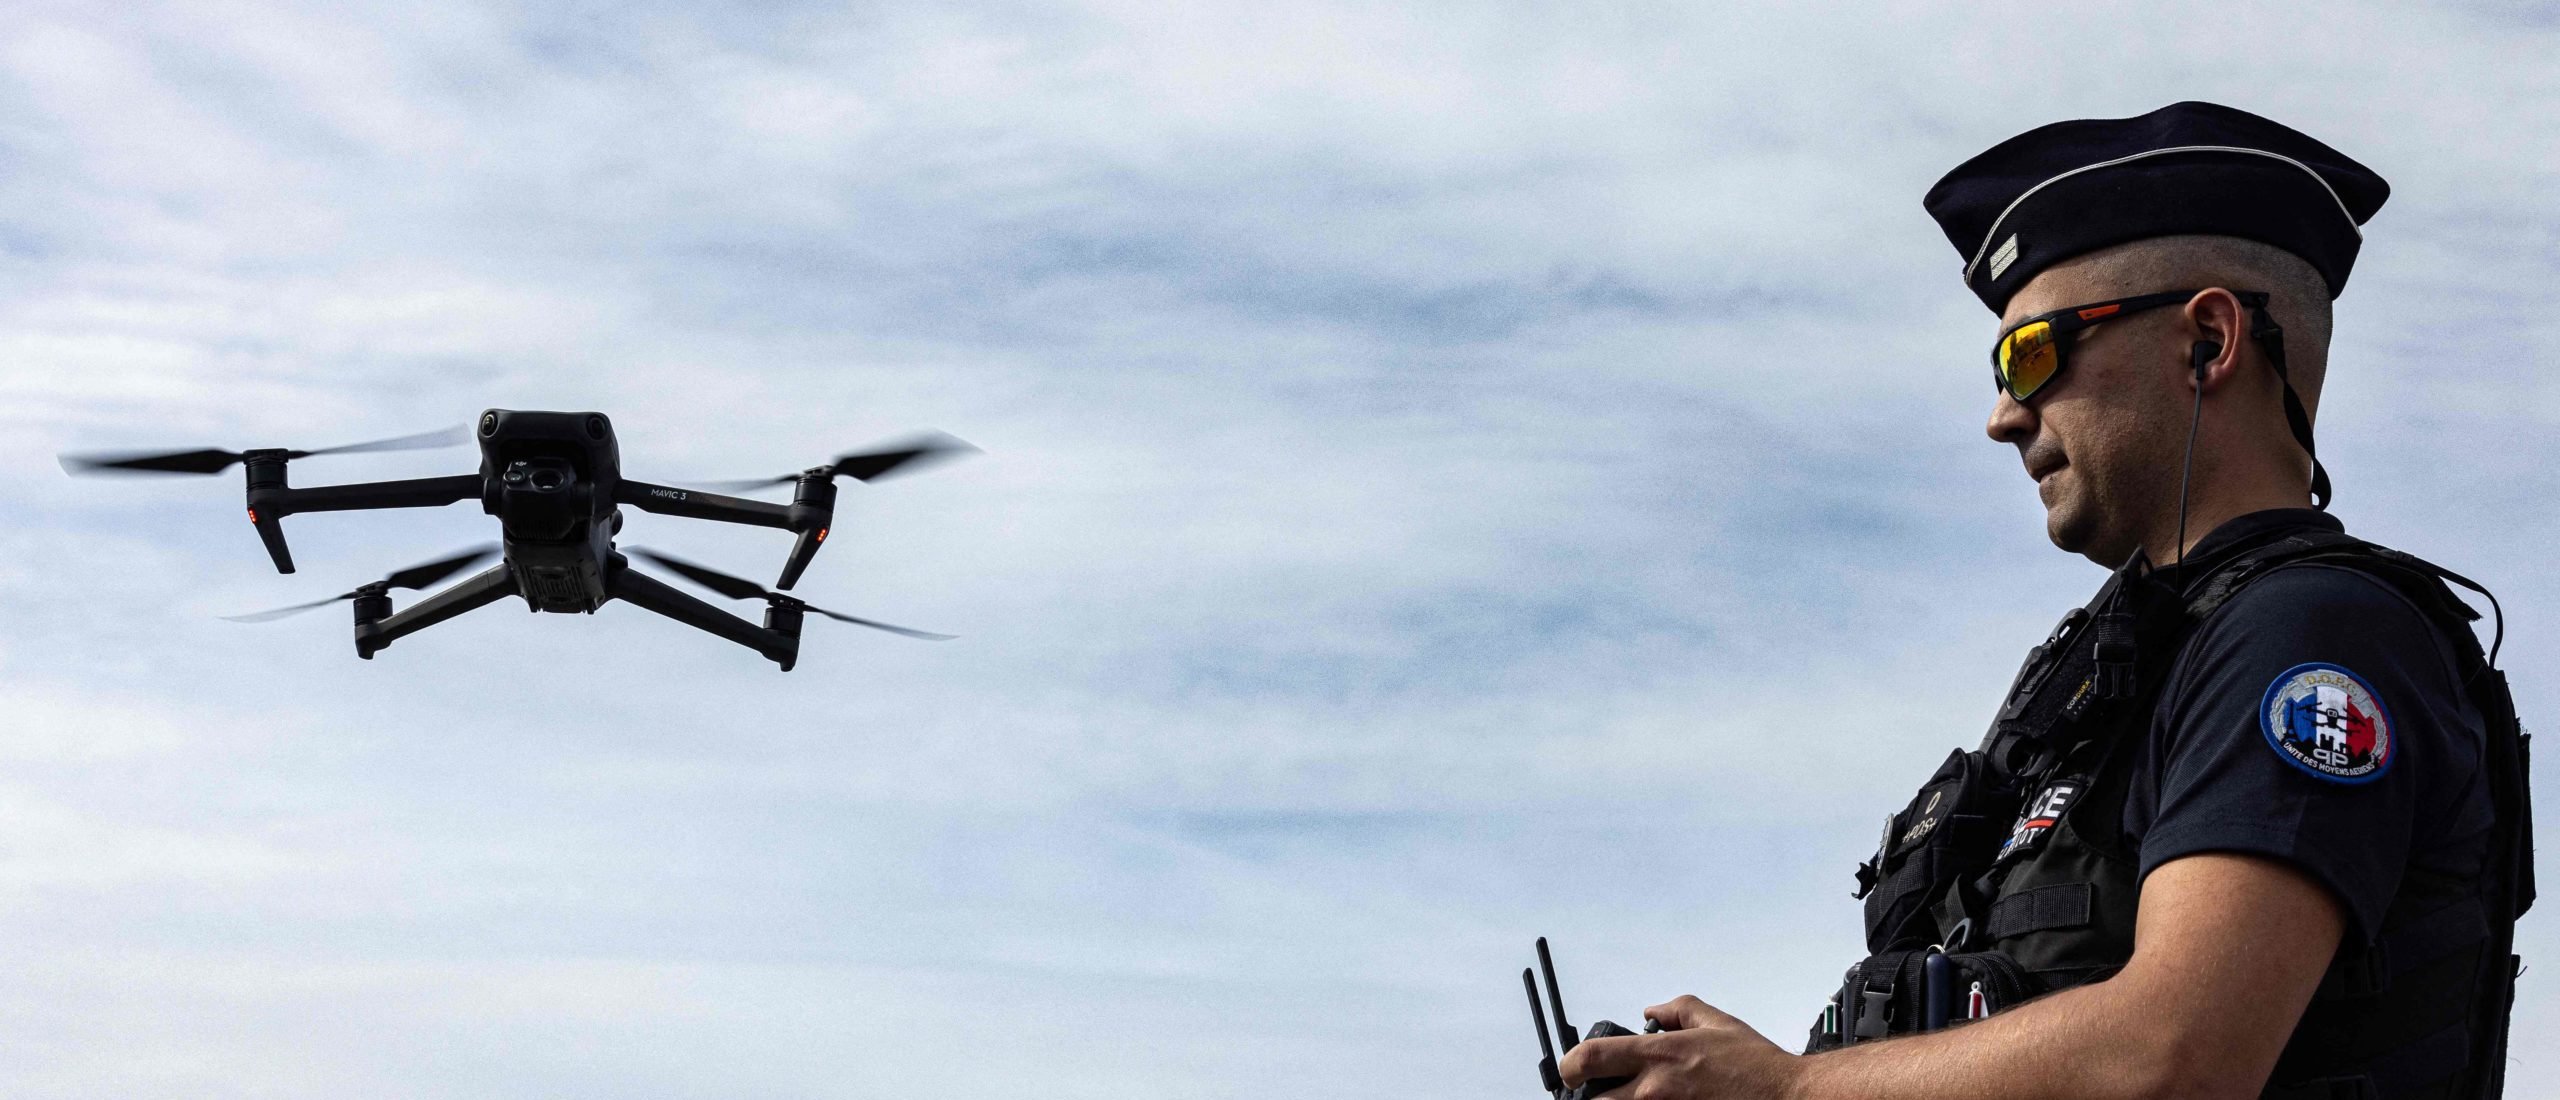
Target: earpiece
[[2205, 351]]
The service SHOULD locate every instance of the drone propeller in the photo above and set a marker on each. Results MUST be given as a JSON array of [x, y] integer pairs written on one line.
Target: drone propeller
[[909, 456], [415, 577], [213, 461], [740, 588]]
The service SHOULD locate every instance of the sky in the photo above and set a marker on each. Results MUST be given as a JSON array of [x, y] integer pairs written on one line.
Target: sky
[[1453, 473]]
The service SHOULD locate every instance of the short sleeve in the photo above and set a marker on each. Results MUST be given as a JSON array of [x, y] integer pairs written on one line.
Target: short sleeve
[[2315, 719]]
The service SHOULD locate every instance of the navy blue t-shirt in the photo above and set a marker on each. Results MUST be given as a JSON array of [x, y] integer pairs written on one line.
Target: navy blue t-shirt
[[2317, 718]]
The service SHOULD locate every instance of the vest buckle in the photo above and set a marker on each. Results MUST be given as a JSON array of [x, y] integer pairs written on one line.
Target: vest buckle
[[1874, 1006], [2111, 647]]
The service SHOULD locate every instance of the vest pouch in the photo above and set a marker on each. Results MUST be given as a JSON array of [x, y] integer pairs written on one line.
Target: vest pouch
[[1946, 835], [1999, 981], [1879, 996], [1889, 994]]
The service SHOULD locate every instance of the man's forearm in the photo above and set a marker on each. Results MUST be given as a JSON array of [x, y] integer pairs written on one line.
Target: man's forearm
[[2095, 1042], [2201, 1010], [2228, 949]]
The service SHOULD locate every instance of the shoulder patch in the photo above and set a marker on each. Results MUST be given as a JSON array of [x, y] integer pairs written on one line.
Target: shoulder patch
[[2326, 721]]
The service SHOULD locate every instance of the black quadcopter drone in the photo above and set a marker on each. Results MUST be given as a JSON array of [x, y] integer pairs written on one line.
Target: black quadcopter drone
[[554, 480]]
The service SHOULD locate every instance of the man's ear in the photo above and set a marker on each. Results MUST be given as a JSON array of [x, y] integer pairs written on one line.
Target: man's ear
[[2219, 320]]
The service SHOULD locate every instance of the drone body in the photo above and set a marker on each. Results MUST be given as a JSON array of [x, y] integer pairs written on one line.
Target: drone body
[[554, 481]]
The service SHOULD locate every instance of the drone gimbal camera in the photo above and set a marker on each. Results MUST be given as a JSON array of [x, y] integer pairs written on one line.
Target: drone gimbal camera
[[554, 481], [1548, 1052]]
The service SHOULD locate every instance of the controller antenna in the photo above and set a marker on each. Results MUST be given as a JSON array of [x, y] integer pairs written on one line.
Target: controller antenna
[[1555, 998], [1547, 1074]]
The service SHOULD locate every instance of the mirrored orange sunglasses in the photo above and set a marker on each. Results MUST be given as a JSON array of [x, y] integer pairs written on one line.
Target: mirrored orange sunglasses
[[2033, 351]]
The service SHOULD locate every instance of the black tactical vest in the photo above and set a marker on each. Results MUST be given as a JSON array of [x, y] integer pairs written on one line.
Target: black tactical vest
[[2008, 875]]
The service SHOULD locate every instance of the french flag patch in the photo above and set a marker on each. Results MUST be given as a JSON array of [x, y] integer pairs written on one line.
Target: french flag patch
[[2326, 721]]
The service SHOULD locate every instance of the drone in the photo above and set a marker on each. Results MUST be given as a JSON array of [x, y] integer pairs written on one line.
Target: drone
[[554, 480]]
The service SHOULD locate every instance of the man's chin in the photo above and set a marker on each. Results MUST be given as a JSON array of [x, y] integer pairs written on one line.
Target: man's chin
[[2071, 527], [2065, 535], [2076, 531]]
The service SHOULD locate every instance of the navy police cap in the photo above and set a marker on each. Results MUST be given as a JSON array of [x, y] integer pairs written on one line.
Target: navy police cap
[[2074, 187]]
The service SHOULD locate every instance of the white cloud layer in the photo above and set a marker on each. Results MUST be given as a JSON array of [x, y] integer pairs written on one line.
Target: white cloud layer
[[1456, 473]]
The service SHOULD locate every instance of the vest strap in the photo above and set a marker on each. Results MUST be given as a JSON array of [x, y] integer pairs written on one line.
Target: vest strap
[[2358, 1087], [2041, 909], [2421, 1069], [2433, 1059], [2370, 971]]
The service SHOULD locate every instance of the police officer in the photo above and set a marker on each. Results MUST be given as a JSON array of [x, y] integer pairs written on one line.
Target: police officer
[[2251, 823]]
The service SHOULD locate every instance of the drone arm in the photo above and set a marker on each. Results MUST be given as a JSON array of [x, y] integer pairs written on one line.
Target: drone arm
[[425, 492], [648, 593], [484, 588], [270, 499], [811, 509], [695, 504]]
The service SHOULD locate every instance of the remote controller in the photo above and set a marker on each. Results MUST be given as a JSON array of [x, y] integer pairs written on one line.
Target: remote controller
[[1603, 1029]]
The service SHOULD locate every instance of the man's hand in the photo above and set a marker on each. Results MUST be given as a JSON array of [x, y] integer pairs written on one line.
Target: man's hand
[[1702, 1054]]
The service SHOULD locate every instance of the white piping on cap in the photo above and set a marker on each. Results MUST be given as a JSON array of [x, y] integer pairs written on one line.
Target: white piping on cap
[[2013, 203]]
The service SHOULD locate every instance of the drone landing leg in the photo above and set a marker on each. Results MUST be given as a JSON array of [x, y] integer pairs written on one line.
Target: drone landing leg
[[643, 591], [483, 589]]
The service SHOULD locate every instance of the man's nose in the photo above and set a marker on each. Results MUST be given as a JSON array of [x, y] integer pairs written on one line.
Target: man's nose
[[2011, 420]]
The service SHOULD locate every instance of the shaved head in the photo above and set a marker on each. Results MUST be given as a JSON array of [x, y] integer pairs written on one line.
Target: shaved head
[[2298, 296]]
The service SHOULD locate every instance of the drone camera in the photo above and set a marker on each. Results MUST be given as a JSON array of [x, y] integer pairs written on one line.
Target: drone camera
[[541, 475], [543, 499], [550, 479]]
